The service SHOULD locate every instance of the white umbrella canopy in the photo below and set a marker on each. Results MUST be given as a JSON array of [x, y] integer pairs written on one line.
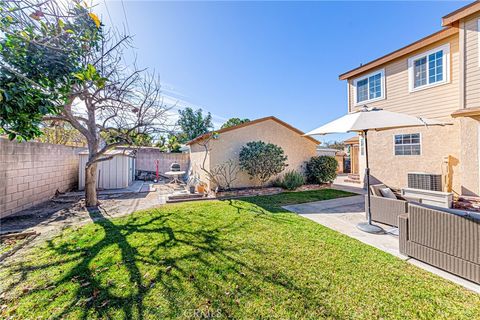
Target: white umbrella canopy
[[373, 119]]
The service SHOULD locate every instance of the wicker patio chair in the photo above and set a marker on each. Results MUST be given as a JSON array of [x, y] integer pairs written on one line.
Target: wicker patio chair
[[385, 210]]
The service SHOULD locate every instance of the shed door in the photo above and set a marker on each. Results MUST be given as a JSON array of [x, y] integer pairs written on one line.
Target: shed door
[[354, 167], [131, 170]]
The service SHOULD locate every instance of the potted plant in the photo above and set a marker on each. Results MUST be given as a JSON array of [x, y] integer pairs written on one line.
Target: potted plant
[[192, 184], [201, 187]]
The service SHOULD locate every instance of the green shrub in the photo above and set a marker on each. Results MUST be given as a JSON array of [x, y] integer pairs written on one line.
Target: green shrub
[[292, 180], [321, 169], [262, 160], [277, 182]]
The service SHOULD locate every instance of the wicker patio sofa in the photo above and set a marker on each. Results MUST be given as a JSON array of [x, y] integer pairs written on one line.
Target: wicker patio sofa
[[445, 238], [386, 210]]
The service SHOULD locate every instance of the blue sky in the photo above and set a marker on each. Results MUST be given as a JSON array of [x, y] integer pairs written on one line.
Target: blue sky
[[255, 59]]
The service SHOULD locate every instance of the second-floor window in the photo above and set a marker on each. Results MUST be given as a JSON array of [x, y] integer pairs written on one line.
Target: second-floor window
[[370, 87], [429, 68]]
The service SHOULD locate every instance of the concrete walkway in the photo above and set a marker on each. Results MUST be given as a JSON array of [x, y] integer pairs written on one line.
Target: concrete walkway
[[344, 214], [137, 186]]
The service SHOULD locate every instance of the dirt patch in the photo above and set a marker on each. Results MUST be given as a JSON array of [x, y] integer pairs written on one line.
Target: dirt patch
[[12, 242], [50, 217], [264, 191]]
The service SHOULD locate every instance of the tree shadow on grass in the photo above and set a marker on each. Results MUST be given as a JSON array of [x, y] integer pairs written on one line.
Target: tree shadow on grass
[[275, 203], [241, 207], [260, 209], [175, 251], [67, 211]]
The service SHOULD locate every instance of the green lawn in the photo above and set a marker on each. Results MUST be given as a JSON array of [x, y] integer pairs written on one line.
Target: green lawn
[[244, 259]]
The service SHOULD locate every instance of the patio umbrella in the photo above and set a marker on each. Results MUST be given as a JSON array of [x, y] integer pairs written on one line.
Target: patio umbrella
[[371, 119]]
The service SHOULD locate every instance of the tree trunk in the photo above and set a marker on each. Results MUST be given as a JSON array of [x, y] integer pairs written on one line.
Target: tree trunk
[[91, 185]]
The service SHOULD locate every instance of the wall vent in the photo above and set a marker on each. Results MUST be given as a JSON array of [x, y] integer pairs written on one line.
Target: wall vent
[[425, 181]]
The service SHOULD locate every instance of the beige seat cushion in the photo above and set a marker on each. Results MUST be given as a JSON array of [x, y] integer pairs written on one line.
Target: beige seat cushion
[[387, 193], [375, 189]]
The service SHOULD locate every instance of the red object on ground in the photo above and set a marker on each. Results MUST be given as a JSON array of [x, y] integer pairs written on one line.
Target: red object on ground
[[156, 164]]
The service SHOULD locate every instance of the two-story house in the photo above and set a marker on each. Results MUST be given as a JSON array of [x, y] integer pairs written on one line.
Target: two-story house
[[436, 77]]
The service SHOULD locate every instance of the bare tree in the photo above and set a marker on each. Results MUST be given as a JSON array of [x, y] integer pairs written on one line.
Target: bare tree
[[127, 105], [205, 143], [222, 175], [226, 173], [107, 101]]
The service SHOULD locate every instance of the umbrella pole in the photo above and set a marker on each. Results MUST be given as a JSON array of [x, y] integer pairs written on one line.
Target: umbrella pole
[[368, 226], [367, 174]]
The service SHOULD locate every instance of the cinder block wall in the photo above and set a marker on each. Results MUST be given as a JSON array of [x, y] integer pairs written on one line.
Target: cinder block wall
[[145, 160], [31, 173]]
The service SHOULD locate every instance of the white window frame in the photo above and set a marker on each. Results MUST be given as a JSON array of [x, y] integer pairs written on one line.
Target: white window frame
[[361, 145], [382, 87], [407, 155], [446, 68]]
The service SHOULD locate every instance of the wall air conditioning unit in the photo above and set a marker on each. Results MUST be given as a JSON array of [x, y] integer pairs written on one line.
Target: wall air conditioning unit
[[425, 181]]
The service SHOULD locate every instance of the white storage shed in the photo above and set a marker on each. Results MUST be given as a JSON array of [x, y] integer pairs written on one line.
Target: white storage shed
[[322, 151], [116, 173]]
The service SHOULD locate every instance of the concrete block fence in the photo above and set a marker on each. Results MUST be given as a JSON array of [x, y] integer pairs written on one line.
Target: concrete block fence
[[145, 160], [31, 173]]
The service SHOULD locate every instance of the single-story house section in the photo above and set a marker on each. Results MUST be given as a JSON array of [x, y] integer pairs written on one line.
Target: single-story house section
[[353, 145], [116, 173], [229, 141]]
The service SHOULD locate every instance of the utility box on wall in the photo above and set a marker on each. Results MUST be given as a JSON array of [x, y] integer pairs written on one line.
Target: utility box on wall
[[116, 173]]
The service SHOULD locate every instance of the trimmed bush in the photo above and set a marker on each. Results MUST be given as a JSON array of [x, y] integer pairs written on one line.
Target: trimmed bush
[[292, 180], [277, 182], [262, 160], [321, 169]]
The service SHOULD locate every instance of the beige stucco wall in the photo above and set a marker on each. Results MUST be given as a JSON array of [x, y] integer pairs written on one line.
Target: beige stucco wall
[[469, 157], [470, 131], [459, 141], [340, 159], [298, 149], [197, 158], [434, 102]]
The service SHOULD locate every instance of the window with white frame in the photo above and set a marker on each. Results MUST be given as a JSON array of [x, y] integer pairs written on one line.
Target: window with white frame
[[362, 146], [407, 144], [429, 68], [370, 87]]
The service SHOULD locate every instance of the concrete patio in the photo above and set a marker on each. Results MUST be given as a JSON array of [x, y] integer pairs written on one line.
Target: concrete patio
[[344, 214]]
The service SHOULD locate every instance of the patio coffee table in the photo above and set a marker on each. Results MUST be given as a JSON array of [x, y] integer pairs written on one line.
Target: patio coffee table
[[175, 176]]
